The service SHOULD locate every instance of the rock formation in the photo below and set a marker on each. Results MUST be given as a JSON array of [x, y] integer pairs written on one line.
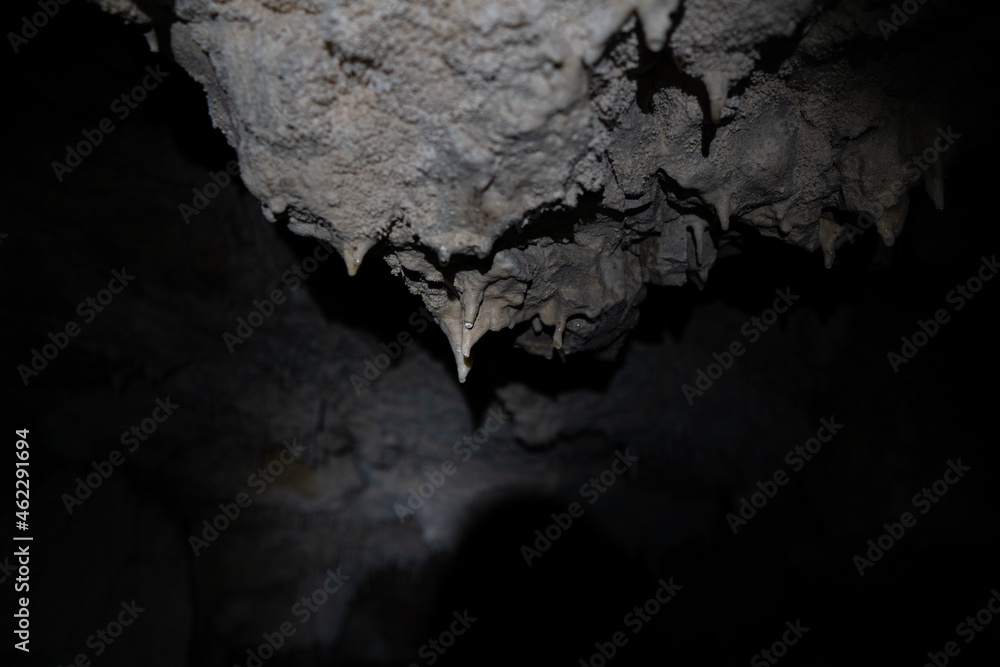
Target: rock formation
[[534, 164]]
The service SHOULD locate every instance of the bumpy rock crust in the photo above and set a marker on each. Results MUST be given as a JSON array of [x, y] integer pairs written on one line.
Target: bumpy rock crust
[[540, 161]]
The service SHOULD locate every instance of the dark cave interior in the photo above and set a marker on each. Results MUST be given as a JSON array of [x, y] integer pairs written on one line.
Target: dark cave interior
[[794, 559]]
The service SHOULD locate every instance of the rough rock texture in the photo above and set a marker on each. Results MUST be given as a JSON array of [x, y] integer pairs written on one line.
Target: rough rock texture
[[541, 161], [368, 446]]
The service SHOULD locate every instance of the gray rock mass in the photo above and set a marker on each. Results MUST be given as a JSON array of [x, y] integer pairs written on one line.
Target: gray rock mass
[[541, 161]]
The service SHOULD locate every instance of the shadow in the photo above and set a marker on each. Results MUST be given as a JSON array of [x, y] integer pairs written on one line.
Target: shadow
[[573, 593]]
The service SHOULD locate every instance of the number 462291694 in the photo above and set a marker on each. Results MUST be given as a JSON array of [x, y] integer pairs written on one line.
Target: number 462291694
[[21, 473]]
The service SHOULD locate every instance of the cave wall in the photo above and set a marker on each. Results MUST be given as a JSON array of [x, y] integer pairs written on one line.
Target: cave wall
[[541, 162], [369, 437]]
